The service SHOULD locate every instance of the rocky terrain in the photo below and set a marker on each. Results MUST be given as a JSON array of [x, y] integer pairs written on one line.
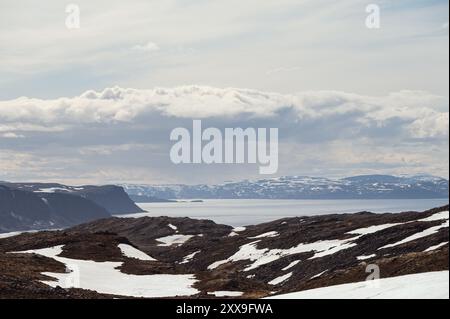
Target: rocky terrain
[[303, 187], [180, 257], [31, 206]]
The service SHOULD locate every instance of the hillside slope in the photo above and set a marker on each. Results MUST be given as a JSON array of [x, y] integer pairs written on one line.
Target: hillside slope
[[24, 210], [203, 259], [110, 197]]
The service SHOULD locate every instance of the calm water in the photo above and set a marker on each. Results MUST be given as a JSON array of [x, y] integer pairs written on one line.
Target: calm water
[[239, 212]]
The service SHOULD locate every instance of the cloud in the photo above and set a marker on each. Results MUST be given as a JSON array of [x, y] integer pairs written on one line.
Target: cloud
[[91, 136], [283, 69], [418, 114], [11, 135], [148, 47], [232, 47]]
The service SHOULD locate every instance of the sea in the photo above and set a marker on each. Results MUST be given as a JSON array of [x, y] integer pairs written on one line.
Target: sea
[[245, 212]]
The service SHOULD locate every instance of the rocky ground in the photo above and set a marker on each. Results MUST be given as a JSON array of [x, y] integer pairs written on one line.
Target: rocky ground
[[283, 256]]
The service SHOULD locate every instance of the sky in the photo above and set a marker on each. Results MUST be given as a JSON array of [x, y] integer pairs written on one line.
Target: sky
[[96, 104]]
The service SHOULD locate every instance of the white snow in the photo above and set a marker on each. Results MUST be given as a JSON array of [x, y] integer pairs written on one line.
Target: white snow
[[374, 229], [233, 234], [190, 257], [330, 247], [366, 257], [291, 265], [432, 285], [425, 233], [265, 256], [318, 275], [12, 234], [280, 279], [438, 216], [220, 294], [172, 240], [266, 235], [437, 246], [371, 229], [239, 229], [173, 227], [52, 190], [131, 252], [17, 233], [104, 277]]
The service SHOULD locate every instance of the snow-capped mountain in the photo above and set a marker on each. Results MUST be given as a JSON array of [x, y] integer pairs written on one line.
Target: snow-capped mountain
[[303, 187]]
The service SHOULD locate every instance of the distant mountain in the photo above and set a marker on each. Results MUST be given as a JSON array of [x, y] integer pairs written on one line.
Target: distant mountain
[[303, 187], [113, 198], [24, 210], [33, 206]]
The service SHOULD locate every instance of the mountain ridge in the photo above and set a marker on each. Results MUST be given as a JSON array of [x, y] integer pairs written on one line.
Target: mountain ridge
[[304, 187], [34, 206]]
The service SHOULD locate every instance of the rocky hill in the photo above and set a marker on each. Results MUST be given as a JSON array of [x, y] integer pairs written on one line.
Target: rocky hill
[[302, 187], [112, 198], [169, 257], [28, 206], [24, 210]]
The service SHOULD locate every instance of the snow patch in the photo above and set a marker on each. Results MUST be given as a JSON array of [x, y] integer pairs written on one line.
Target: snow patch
[[220, 294], [291, 265], [371, 229], [266, 235], [17, 233], [432, 285], [12, 234], [435, 217], [52, 190], [280, 279], [318, 275], [437, 246], [131, 252], [425, 233], [104, 277], [264, 256], [189, 258], [366, 257], [174, 240]]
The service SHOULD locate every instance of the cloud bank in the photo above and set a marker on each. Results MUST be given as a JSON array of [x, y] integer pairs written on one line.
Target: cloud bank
[[117, 133], [419, 114]]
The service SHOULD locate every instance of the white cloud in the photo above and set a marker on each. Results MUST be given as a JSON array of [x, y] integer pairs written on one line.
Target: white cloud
[[283, 69], [434, 125], [107, 150], [421, 114], [117, 133], [11, 135], [147, 47]]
